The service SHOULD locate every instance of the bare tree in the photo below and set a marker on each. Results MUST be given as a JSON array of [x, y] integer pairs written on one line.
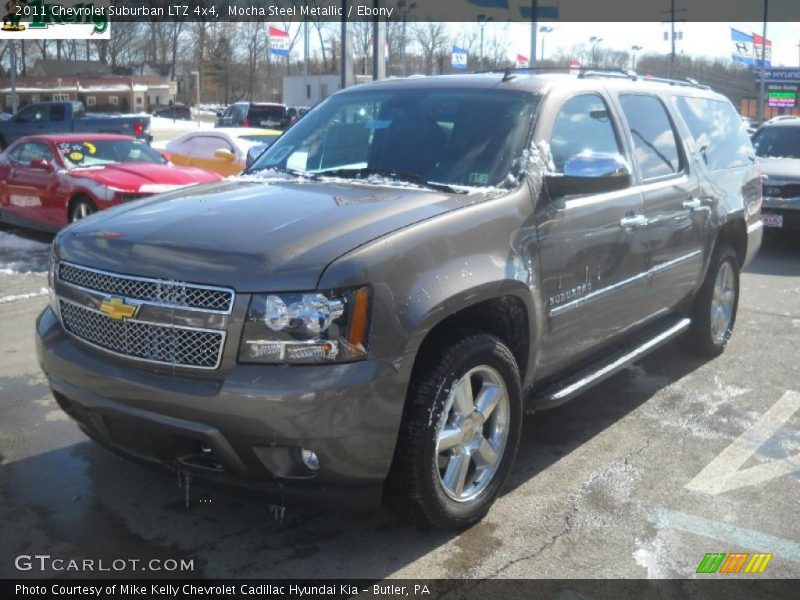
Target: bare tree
[[432, 39]]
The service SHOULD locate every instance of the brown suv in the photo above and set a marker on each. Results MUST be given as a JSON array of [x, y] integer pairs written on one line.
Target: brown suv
[[364, 313]]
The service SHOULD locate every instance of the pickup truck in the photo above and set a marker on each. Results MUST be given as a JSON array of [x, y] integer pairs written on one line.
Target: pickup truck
[[69, 117]]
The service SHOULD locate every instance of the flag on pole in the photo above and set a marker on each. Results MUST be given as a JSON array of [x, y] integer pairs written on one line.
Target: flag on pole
[[459, 60], [522, 61], [742, 47], [758, 42], [278, 41]]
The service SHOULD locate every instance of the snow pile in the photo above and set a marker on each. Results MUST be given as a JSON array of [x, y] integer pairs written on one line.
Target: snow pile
[[22, 255]]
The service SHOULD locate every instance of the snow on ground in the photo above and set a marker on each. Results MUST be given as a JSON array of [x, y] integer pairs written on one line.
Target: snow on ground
[[164, 129], [23, 253]]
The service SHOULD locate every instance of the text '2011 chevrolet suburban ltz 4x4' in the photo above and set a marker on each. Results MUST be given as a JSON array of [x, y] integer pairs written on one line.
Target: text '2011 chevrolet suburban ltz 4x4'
[[363, 314]]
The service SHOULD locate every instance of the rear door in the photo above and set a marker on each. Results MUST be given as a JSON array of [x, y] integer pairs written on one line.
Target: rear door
[[594, 267], [674, 204]]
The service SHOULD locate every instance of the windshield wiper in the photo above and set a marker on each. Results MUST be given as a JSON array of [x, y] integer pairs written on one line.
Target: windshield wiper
[[390, 174]]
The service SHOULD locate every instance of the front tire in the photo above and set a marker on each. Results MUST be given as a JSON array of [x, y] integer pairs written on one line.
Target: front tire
[[80, 209], [460, 432], [714, 309]]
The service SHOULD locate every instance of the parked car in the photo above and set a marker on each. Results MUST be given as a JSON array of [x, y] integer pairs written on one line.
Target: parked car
[[368, 323], [174, 112], [48, 181], [268, 115], [5, 116], [295, 112], [777, 146], [69, 117], [221, 150]]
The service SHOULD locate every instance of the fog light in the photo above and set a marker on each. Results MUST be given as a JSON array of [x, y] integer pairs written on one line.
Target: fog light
[[310, 459]]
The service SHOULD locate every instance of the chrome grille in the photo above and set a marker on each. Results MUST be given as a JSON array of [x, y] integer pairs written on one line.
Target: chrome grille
[[155, 291], [166, 344]]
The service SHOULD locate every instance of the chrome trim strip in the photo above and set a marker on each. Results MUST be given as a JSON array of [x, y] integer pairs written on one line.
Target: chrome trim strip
[[555, 311], [674, 262], [231, 291], [598, 294], [149, 360], [631, 356]]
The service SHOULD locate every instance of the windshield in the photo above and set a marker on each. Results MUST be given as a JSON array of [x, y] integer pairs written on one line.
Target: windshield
[[778, 142], [447, 136], [266, 138], [93, 153]]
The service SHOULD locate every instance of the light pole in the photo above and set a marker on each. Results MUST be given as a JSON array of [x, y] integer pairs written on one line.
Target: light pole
[[14, 105], [482, 20], [634, 50], [595, 40], [405, 8], [543, 29], [196, 86]]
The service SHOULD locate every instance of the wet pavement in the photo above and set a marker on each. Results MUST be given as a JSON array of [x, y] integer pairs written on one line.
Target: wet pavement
[[639, 477]]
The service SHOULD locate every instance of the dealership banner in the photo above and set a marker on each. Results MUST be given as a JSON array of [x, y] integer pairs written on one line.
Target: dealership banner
[[63, 20], [278, 41], [459, 60]]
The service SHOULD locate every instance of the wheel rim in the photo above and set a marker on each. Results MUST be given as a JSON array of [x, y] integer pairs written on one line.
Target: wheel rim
[[722, 303], [82, 210], [472, 433]]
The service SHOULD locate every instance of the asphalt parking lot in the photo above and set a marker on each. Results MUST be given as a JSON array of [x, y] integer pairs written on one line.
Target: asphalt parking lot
[[640, 477]]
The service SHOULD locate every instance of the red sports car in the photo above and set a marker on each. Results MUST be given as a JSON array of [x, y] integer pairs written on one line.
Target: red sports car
[[47, 181]]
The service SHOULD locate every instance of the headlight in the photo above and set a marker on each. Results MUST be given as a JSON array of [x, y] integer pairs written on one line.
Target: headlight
[[51, 285], [306, 328]]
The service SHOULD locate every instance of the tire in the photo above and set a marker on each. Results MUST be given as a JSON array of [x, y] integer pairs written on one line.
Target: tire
[[81, 208], [714, 309], [423, 482]]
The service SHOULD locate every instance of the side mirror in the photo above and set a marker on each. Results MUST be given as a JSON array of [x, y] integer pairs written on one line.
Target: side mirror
[[255, 152], [167, 156], [224, 154], [590, 174], [41, 164]]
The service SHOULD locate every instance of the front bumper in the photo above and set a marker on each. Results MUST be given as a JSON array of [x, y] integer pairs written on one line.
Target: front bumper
[[244, 427]]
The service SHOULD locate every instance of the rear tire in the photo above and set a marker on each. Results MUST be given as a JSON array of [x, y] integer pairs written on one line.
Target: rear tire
[[460, 432], [714, 309], [80, 209]]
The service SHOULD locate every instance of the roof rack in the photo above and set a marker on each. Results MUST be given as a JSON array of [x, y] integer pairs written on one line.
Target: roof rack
[[510, 73]]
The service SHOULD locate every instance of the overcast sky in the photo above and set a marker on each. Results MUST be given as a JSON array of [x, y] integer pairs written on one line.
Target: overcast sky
[[710, 39]]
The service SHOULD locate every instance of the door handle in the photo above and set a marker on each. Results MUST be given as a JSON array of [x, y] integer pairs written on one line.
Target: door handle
[[630, 221], [692, 203]]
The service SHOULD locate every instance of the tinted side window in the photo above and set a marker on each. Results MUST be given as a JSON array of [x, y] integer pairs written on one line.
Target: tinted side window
[[654, 143], [718, 132], [58, 112], [583, 125]]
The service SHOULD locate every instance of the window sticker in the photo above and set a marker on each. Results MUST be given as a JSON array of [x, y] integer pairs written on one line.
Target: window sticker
[[378, 124], [479, 178], [90, 147], [75, 156]]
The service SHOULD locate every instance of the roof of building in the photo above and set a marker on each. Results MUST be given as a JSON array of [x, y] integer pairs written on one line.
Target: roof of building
[[68, 68]]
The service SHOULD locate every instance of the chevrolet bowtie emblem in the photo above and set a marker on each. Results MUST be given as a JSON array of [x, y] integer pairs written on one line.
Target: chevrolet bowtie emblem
[[117, 309]]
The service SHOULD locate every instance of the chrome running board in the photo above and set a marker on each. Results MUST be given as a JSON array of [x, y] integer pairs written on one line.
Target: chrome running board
[[583, 380]]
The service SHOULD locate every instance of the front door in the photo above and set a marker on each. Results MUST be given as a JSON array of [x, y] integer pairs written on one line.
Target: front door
[[593, 254]]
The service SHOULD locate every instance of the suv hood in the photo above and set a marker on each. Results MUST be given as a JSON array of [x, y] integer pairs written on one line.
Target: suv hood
[[249, 235], [780, 168]]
